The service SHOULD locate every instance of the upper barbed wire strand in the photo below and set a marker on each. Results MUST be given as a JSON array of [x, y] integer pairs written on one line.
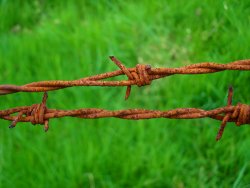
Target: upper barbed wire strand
[[140, 75]]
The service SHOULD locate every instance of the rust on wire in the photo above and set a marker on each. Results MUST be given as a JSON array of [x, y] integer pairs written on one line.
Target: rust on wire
[[140, 75], [40, 114]]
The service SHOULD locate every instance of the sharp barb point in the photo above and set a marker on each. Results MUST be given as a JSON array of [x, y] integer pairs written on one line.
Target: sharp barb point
[[11, 126], [230, 88]]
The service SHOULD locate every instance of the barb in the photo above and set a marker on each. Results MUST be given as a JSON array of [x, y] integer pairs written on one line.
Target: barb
[[140, 75], [40, 114]]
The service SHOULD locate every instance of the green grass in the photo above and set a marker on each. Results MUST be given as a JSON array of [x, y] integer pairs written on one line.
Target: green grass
[[48, 40]]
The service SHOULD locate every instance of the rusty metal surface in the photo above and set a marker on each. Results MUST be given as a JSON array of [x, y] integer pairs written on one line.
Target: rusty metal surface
[[40, 114], [140, 75]]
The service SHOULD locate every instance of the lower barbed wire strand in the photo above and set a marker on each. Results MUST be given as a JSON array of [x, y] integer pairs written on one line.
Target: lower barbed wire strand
[[179, 113], [40, 114]]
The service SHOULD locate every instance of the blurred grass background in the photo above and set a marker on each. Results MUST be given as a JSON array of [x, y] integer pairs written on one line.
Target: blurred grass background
[[49, 40]]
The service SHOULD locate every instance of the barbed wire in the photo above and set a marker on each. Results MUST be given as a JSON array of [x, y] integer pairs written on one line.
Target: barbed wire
[[140, 75], [40, 114]]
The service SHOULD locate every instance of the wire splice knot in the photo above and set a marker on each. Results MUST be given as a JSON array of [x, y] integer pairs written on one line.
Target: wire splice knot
[[36, 113], [240, 115], [140, 75]]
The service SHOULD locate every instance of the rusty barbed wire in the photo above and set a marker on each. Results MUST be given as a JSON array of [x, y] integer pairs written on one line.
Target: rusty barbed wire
[[140, 75], [40, 114]]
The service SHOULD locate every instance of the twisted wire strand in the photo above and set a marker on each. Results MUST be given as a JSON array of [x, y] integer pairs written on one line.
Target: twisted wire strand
[[40, 114], [140, 75]]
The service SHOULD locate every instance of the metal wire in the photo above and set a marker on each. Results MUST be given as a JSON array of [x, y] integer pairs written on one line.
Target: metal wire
[[140, 75], [40, 114]]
